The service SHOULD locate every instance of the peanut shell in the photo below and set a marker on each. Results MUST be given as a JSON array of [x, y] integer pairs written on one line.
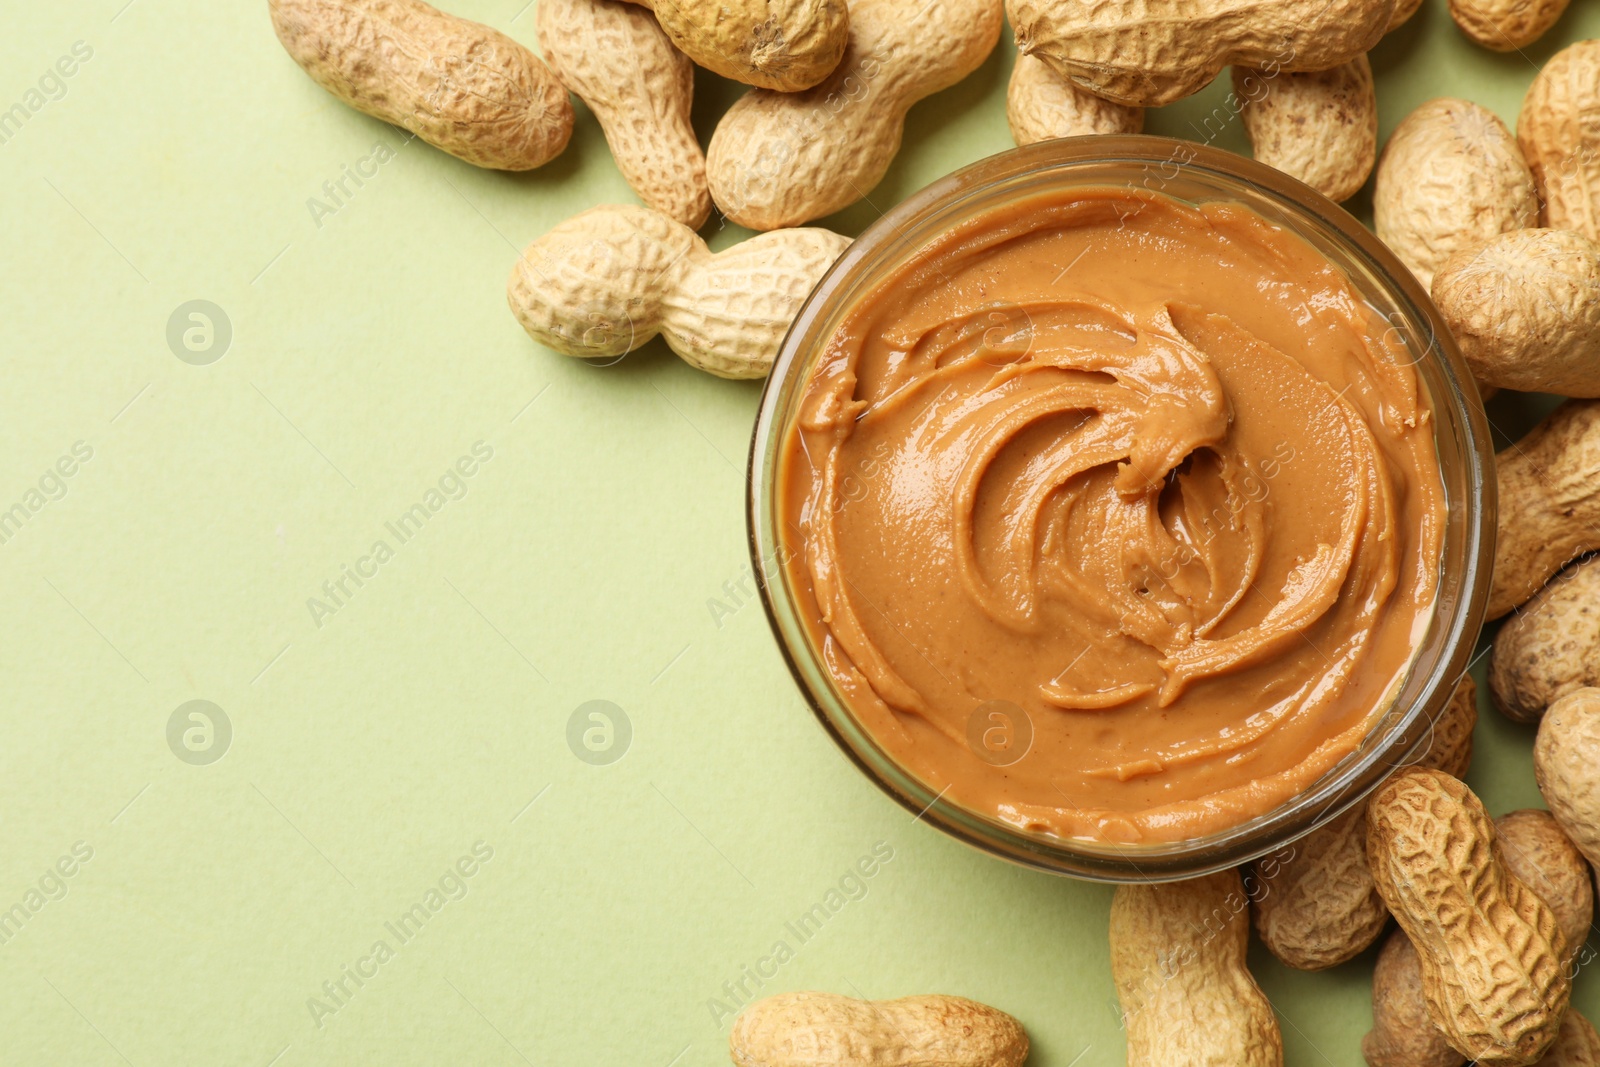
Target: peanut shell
[[460, 86], [1560, 138], [1152, 52], [1320, 126], [1451, 177], [1551, 646], [1178, 961], [1566, 762], [604, 282], [1525, 310], [1492, 952], [1041, 104], [781, 159], [783, 45], [640, 88], [1549, 512], [827, 1030]]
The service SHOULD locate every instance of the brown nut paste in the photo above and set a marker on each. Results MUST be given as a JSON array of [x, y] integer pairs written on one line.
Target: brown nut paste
[[1154, 475]]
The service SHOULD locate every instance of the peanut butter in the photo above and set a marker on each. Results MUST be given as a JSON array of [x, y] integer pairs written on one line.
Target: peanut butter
[[1115, 517]]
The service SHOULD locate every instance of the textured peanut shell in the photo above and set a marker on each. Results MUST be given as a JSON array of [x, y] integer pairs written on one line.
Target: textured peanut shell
[[1152, 52], [1320, 126], [640, 88], [783, 45], [1536, 850], [460, 86], [1491, 950], [827, 1030], [1566, 762], [1525, 310], [1315, 904], [1402, 1034], [1551, 646], [1451, 177], [781, 159], [1576, 1046], [1506, 25], [1041, 104], [604, 282], [1549, 511], [1178, 961], [1559, 130]]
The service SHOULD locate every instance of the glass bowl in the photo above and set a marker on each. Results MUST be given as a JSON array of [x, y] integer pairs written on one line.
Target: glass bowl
[[1196, 174]]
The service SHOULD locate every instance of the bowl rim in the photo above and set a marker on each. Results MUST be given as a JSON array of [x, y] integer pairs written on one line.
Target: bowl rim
[[1336, 791]]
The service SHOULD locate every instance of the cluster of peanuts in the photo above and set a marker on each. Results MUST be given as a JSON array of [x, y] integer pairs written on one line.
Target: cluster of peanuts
[[1492, 915]]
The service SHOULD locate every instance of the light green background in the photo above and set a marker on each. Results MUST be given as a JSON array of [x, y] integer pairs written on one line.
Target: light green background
[[369, 753]]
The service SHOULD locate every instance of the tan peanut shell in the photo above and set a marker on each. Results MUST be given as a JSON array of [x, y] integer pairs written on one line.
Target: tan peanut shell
[[1576, 1046], [460, 86], [1450, 177], [1566, 762], [604, 282], [1549, 511], [1041, 104], [1551, 646], [1178, 961], [784, 45], [1403, 1034], [1315, 904], [1536, 850], [1506, 25], [827, 1030], [1491, 950], [640, 88], [1561, 141], [1319, 126], [781, 159], [1152, 52], [1525, 310]]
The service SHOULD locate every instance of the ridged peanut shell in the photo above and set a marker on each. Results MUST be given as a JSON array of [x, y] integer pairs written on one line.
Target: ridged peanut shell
[[1403, 1034], [781, 159], [1449, 747], [1451, 177], [1549, 511], [1525, 310], [1152, 52], [1315, 904], [828, 1030], [604, 282], [640, 88], [1559, 130], [1566, 762], [1506, 25], [783, 45], [1551, 646], [1178, 961], [1319, 126], [1536, 850], [1491, 950], [460, 86], [1041, 104]]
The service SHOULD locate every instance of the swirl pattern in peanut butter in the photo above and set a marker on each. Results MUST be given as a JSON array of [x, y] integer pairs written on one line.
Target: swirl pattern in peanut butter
[[1152, 475]]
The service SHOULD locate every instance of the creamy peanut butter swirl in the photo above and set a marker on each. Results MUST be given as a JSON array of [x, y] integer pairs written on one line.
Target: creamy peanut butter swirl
[[1150, 479]]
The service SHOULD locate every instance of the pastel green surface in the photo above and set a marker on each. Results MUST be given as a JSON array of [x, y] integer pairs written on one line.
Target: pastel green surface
[[598, 554]]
